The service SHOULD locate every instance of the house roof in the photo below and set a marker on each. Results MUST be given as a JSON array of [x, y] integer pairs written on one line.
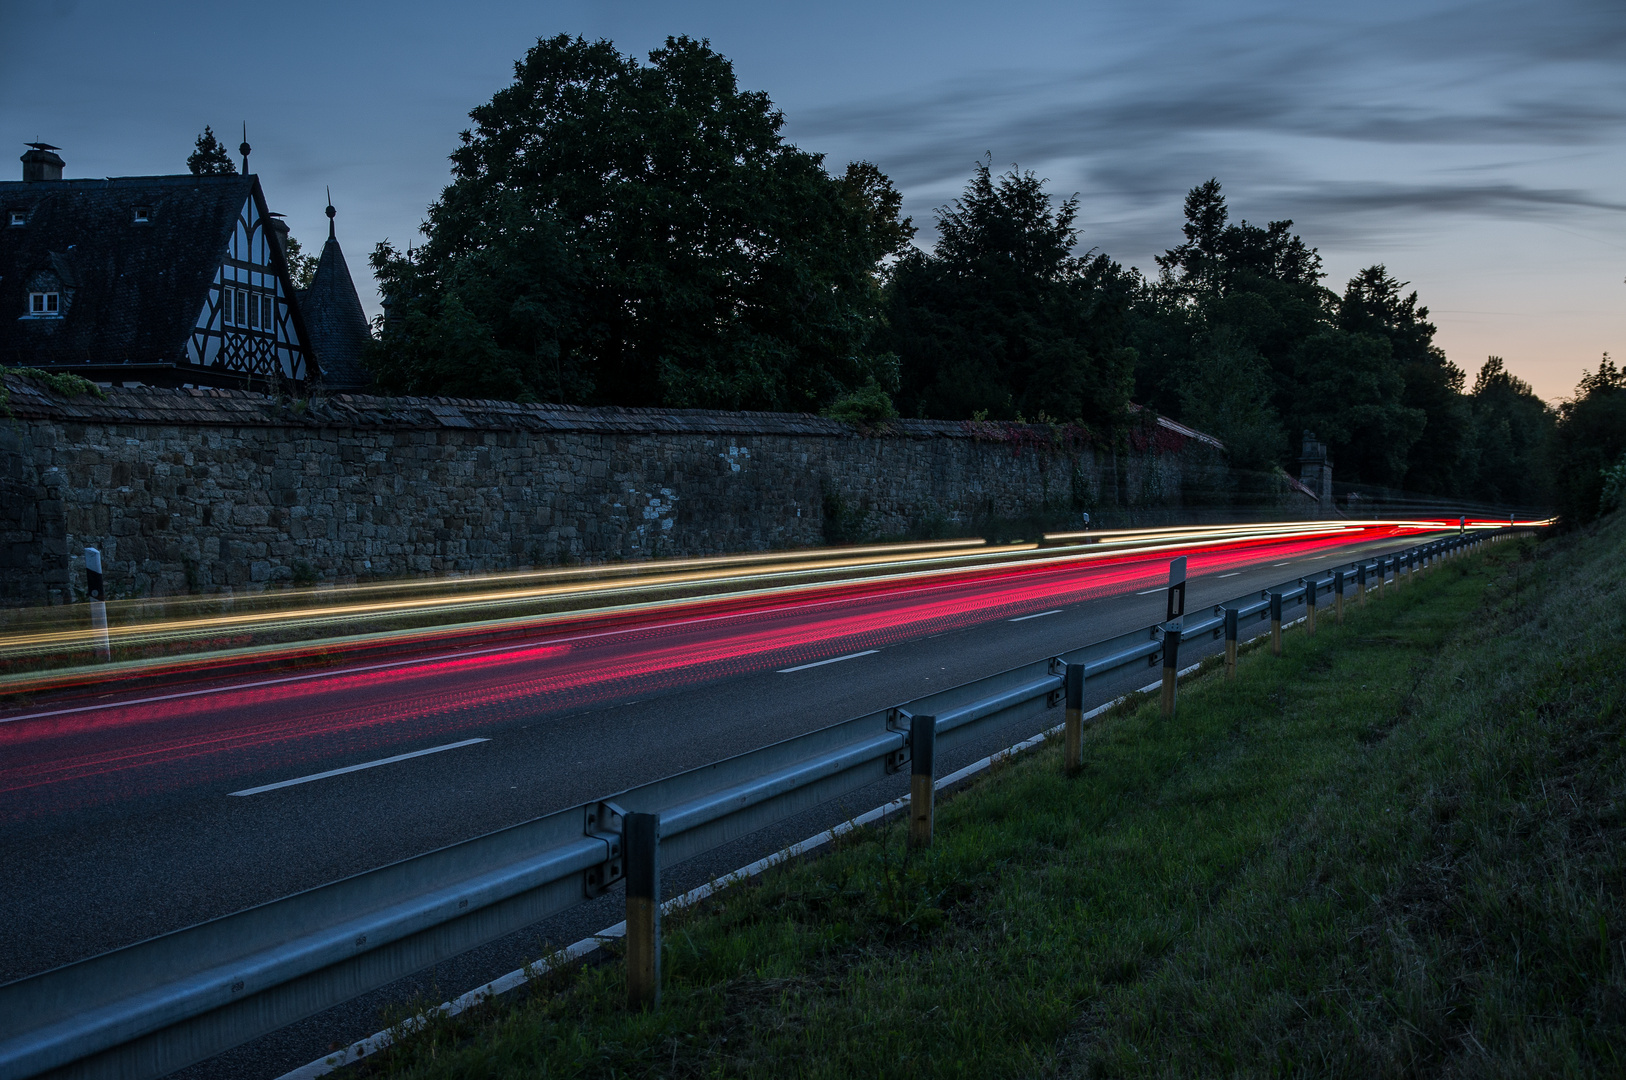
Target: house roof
[[134, 290], [335, 323]]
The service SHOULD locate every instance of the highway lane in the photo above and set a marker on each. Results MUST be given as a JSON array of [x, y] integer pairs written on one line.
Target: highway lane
[[116, 830]]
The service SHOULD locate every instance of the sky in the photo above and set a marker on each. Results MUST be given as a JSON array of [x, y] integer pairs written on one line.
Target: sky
[[1476, 148]]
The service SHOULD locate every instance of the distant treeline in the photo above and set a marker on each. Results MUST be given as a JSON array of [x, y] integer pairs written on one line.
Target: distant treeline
[[629, 233]]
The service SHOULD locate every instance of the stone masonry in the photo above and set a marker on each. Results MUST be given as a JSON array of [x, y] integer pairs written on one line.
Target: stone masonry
[[191, 490]]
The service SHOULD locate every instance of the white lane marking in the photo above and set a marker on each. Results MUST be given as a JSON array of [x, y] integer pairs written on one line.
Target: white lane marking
[[1040, 615], [1233, 573], [1283, 563], [1149, 592], [832, 660], [356, 768]]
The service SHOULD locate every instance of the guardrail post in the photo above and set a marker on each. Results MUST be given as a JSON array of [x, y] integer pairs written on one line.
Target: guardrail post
[[98, 606], [1360, 582], [1073, 739], [1309, 606], [1230, 643], [1338, 592], [922, 743], [1171, 667], [642, 843], [1276, 624]]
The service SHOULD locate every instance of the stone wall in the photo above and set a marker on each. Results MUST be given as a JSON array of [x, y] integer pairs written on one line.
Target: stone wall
[[193, 490]]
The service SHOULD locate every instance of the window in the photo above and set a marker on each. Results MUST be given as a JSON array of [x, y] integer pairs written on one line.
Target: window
[[242, 308], [19, 217], [267, 306], [253, 310], [45, 305], [226, 305], [143, 215]]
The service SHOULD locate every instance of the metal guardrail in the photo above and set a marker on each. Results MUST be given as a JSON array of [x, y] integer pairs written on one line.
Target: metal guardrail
[[159, 1005]]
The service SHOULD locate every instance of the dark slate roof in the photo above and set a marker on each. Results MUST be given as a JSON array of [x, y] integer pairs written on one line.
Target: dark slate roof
[[132, 291], [335, 323]]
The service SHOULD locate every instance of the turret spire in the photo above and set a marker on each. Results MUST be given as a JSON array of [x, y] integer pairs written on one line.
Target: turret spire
[[331, 214], [245, 148]]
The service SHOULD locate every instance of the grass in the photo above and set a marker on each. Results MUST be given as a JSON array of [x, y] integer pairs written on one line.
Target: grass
[[1395, 851]]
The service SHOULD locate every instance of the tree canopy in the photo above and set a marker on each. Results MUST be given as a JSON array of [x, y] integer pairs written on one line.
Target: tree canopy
[[638, 232], [1001, 319], [210, 156], [641, 234]]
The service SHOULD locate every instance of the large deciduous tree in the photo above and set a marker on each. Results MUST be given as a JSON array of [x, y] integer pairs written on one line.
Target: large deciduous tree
[[640, 233]]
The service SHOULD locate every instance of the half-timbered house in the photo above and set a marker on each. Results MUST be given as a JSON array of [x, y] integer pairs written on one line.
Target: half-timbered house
[[156, 280]]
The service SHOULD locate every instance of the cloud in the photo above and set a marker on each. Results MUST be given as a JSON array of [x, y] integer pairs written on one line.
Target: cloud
[[1340, 118]]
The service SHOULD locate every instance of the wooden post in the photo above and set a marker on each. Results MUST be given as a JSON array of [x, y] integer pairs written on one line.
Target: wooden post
[[1276, 624], [1073, 739], [1360, 582], [1171, 668], [1338, 590], [642, 841], [1309, 606], [922, 744]]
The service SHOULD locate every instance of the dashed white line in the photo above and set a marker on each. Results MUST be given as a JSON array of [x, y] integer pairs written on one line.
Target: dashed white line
[[1283, 563], [1233, 573], [356, 768], [1040, 615], [832, 660], [1149, 592]]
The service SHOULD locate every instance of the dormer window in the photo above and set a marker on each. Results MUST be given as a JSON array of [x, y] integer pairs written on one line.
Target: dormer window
[[19, 217], [143, 215], [45, 305]]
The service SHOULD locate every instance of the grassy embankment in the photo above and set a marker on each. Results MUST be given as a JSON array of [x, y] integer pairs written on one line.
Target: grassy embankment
[[1396, 851]]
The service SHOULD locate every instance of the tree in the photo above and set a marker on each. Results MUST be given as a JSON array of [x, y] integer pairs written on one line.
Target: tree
[[301, 267], [641, 234], [1373, 304], [210, 158], [1001, 319], [1590, 441]]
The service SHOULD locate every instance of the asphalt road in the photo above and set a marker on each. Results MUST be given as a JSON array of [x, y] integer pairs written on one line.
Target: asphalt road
[[118, 819]]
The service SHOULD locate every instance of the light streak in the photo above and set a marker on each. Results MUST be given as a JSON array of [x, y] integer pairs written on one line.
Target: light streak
[[123, 750]]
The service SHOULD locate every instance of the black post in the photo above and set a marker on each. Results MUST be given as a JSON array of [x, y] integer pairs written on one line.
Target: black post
[[1310, 589], [642, 833], [922, 744], [1171, 667], [1276, 623], [1230, 643], [1073, 743]]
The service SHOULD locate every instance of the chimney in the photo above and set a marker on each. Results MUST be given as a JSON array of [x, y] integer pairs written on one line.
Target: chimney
[[279, 229], [41, 163]]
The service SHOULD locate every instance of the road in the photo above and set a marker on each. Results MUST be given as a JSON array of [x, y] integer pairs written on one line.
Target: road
[[142, 812]]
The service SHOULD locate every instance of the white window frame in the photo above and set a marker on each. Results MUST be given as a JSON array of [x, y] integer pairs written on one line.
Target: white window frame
[[18, 217], [143, 215], [44, 305]]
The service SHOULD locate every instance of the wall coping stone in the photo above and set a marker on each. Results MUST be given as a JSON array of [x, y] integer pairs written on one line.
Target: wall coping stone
[[212, 407]]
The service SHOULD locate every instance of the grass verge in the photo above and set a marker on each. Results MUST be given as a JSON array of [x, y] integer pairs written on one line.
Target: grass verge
[[1394, 851]]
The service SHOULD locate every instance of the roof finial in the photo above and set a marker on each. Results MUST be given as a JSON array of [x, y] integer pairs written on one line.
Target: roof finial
[[331, 214], [245, 148]]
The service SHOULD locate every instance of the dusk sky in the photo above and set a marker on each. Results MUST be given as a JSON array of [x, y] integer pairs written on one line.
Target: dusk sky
[[1478, 149]]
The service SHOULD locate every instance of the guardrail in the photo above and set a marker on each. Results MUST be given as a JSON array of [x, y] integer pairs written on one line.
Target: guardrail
[[148, 1009]]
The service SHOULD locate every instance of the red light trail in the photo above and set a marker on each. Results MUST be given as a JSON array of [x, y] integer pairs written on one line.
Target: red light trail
[[97, 753]]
